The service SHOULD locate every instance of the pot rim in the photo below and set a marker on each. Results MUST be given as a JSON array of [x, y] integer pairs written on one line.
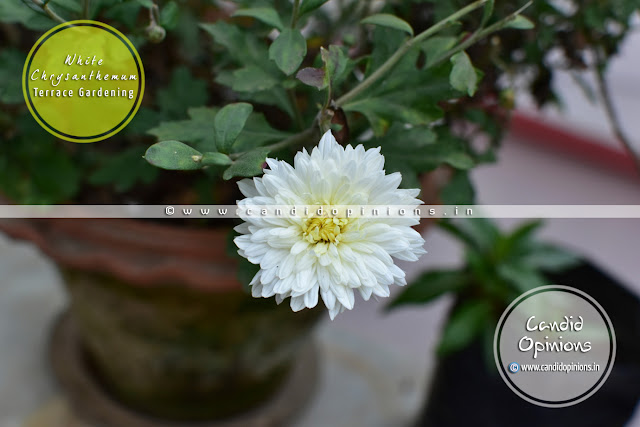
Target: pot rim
[[138, 252]]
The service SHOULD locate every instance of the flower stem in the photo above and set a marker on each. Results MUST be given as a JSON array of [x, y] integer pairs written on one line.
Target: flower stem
[[396, 57], [46, 9]]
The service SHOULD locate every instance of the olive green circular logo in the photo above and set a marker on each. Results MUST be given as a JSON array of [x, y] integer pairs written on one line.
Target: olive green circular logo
[[83, 81]]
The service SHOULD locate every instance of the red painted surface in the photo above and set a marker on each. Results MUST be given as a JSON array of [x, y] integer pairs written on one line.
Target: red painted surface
[[586, 149]]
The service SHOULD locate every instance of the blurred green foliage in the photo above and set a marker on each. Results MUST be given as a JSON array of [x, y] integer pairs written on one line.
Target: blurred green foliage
[[498, 268], [293, 69]]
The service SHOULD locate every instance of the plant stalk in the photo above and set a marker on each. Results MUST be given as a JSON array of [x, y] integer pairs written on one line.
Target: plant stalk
[[294, 104], [479, 35], [46, 9], [294, 14], [396, 57], [85, 9], [296, 139], [613, 117]]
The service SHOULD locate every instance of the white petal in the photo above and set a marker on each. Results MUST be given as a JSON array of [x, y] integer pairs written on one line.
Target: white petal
[[361, 259], [248, 188], [311, 297], [297, 303]]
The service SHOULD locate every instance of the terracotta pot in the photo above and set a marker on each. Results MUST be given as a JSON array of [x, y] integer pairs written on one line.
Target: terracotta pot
[[165, 325]]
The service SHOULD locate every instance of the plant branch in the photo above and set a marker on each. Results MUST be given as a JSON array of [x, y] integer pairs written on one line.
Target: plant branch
[[396, 57], [294, 104], [294, 14], [614, 120], [46, 9], [296, 139], [85, 9], [480, 35]]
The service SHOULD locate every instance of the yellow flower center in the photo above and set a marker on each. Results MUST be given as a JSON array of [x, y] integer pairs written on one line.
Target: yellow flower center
[[325, 230]]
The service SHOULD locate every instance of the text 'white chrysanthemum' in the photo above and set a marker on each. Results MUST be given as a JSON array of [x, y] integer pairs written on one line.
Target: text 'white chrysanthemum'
[[301, 257]]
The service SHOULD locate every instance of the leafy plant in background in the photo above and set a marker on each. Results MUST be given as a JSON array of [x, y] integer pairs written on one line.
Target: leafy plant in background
[[498, 267], [235, 56], [392, 90]]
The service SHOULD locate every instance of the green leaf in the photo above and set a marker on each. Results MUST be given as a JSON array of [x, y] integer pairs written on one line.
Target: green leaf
[[125, 12], [124, 170], [518, 241], [276, 96], [217, 159], [249, 164], [257, 132], [11, 62], [460, 160], [463, 76], [430, 286], [336, 62], [268, 15], [464, 325], [243, 47], [187, 32], [435, 47], [482, 269], [459, 190], [521, 23], [407, 94], [144, 120], [383, 111], [288, 50], [390, 21], [70, 5], [521, 277], [35, 168], [549, 258], [231, 37], [19, 12], [198, 130], [183, 91], [478, 233], [487, 12], [419, 148], [146, 3], [54, 177], [174, 155], [229, 123], [169, 14], [385, 43], [252, 79], [310, 5]]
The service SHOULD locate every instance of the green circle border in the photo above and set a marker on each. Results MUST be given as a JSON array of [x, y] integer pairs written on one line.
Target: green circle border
[[103, 135]]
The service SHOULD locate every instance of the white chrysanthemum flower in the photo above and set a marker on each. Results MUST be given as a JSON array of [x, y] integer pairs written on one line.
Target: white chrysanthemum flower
[[301, 257]]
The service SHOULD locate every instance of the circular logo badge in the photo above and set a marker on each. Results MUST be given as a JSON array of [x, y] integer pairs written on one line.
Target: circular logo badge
[[83, 81], [554, 346]]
